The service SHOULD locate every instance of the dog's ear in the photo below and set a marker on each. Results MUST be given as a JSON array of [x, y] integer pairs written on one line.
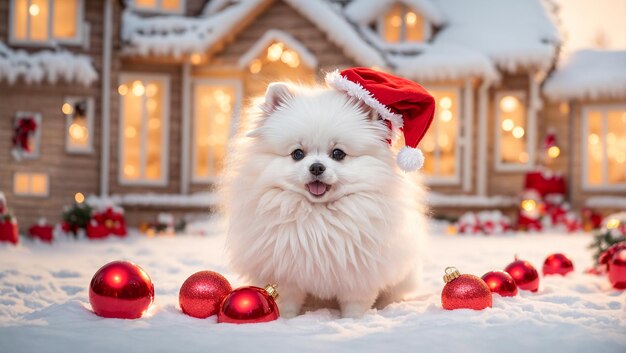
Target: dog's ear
[[276, 95]]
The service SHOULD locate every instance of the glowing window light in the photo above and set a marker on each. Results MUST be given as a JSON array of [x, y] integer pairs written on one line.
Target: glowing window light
[[508, 125], [151, 89], [509, 104], [196, 58], [122, 90], [554, 151], [67, 109], [79, 197], [130, 132], [138, 88], [129, 170], [255, 66], [523, 157], [411, 18], [78, 132], [594, 139], [290, 58], [275, 51], [154, 123], [396, 21], [518, 132], [445, 115], [445, 103], [33, 10]]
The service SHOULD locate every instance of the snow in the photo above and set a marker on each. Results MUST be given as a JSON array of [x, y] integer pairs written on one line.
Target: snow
[[589, 74], [476, 38], [443, 200], [199, 199], [45, 65], [44, 302], [611, 202], [367, 11]]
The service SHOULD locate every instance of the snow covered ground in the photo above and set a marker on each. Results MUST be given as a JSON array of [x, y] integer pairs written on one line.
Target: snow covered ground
[[44, 303]]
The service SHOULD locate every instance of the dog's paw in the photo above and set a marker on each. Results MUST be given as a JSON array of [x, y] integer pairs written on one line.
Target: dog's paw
[[354, 310]]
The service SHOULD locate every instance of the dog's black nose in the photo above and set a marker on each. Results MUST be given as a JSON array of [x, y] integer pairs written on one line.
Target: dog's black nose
[[317, 168]]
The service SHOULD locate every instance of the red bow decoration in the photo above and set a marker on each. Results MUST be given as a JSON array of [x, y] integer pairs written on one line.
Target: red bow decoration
[[105, 223], [25, 127]]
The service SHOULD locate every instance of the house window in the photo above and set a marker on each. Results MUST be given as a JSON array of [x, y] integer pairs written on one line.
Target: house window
[[160, 5], [78, 113], [30, 184], [604, 138], [512, 134], [441, 143], [215, 105], [143, 129], [46, 20], [402, 24]]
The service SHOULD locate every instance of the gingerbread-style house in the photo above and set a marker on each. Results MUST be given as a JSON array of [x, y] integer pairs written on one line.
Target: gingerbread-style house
[[136, 100]]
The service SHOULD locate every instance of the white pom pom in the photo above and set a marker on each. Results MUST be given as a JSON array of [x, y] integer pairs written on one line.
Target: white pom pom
[[410, 159]]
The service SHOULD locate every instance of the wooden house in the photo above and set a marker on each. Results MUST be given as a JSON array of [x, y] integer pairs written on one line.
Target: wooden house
[[136, 100]]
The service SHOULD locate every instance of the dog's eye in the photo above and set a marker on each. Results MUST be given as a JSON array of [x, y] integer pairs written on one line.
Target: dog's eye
[[297, 154], [337, 154]]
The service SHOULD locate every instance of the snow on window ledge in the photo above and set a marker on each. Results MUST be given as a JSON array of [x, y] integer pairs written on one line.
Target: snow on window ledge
[[440, 200], [606, 202], [46, 65]]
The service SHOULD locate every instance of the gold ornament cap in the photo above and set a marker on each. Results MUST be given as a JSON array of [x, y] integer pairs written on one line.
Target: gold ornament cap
[[271, 290], [451, 274]]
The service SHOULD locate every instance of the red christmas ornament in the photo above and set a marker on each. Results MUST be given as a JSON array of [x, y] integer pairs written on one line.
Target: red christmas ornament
[[617, 269], [463, 291], [247, 305], [121, 289], [524, 274], [557, 264], [202, 293], [500, 282]]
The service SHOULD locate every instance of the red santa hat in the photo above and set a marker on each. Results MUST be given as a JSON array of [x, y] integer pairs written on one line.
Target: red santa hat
[[405, 104]]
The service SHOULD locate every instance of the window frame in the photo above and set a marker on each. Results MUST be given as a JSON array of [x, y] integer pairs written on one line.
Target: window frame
[[603, 109], [78, 40], [234, 121], [30, 194], [158, 9], [380, 25], [529, 132], [89, 149], [163, 181], [455, 179]]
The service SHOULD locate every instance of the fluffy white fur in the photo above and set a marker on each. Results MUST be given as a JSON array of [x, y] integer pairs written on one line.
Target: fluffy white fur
[[359, 242]]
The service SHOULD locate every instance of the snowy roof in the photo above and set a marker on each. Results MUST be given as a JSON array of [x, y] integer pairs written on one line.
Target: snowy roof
[[473, 38], [589, 74], [45, 65]]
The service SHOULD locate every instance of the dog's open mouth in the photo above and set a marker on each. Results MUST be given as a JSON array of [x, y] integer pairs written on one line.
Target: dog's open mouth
[[317, 188]]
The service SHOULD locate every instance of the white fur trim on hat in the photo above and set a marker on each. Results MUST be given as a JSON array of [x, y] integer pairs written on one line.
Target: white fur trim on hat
[[410, 159], [356, 90]]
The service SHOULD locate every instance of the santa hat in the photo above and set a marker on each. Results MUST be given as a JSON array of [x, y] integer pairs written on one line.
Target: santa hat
[[405, 104], [550, 139]]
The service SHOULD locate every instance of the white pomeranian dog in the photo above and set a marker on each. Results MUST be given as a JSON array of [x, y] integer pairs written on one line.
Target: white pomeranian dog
[[316, 204]]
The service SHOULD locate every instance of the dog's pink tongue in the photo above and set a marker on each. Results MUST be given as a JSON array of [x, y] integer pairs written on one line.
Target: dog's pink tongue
[[317, 188]]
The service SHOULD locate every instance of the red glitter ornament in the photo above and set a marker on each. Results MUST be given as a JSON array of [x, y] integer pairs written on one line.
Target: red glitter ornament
[[617, 269], [202, 293], [557, 264], [500, 282], [121, 289], [463, 291], [248, 305], [524, 274]]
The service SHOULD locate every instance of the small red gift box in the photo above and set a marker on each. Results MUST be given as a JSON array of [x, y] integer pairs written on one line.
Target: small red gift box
[[41, 231], [8, 231]]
